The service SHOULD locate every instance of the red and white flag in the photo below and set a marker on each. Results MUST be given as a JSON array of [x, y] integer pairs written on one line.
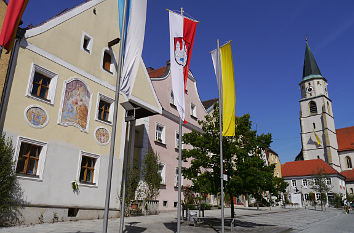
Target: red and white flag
[[182, 32]]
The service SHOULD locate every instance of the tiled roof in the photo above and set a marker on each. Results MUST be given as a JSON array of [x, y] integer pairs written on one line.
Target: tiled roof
[[158, 72], [306, 168], [345, 138], [208, 103], [349, 175]]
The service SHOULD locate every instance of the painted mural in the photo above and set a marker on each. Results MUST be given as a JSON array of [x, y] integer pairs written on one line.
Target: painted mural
[[76, 104], [102, 136], [36, 116]]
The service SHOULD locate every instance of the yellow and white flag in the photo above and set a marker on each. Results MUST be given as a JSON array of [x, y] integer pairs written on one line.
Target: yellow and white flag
[[226, 68], [317, 139]]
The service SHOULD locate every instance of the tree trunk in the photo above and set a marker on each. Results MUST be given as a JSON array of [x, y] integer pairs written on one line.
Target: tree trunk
[[232, 205]]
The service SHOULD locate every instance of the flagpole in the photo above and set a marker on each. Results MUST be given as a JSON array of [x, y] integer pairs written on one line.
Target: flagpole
[[220, 129], [114, 123]]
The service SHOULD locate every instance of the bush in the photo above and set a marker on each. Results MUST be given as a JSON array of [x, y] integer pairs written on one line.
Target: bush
[[10, 191]]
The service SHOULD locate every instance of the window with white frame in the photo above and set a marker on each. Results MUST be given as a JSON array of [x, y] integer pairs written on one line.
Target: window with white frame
[[104, 109], [306, 196], [293, 183], [162, 172], [160, 133], [177, 140], [42, 84], [30, 157], [304, 182], [172, 98], [86, 42], [89, 168], [278, 174], [317, 182], [328, 181], [107, 61], [176, 178], [193, 110]]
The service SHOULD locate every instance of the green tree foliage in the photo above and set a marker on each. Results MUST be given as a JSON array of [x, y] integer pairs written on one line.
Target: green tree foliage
[[151, 175], [10, 191], [320, 186], [246, 171]]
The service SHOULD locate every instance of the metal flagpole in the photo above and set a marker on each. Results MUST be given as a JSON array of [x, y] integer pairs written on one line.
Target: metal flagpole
[[220, 127], [179, 170], [114, 123]]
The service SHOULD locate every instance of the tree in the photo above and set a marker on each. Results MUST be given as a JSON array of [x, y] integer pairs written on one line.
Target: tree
[[10, 191], [242, 154], [320, 186], [151, 175]]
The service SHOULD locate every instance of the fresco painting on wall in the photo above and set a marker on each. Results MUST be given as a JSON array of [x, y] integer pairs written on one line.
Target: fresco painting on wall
[[102, 136], [36, 117], [76, 104]]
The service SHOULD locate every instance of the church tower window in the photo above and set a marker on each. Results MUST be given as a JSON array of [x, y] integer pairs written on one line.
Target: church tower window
[[313, 107], [349, 162]]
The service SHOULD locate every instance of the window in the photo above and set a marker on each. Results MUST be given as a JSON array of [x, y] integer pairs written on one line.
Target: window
[[293, 183], [349, 162], [175, 204], [104, 109], [317, 182], [30, 156], [172, 99], [160, 133], [86, 42], [107, 61], [42, 84], [177, 140], [304, 182], [277, 174], [351, 190], [306, 196], [329, 108], [313, 107], [176, 178], [164, 203], [28, 159], [314, 125], [328, 181], [318, 196], [162, 172], [272, 157], [193, 111], [87, 169]]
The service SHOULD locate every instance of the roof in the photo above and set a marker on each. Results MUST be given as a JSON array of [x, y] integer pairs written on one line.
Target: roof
[[345, 139], [349, 175], [158, 73], [306, 168], [310, 69], [208, 103]]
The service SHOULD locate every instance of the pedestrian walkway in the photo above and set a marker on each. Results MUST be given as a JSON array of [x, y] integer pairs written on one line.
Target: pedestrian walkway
[[247, 220]]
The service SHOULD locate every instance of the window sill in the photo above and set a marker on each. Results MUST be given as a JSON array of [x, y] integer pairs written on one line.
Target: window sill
[[47, 101], [108, 71], [194, 117], [28, 177], [160, 143], [89, 185], [173, 106], [104, 122]]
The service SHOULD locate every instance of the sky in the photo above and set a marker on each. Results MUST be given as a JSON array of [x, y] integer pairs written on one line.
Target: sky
[[268, 45]]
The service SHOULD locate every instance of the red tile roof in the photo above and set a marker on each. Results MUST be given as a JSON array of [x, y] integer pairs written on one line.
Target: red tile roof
[[345, 138], [157, 73], [306, 168], [349, 175]]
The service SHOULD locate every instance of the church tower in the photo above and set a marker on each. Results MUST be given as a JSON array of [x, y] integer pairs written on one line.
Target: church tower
[[318, 132]]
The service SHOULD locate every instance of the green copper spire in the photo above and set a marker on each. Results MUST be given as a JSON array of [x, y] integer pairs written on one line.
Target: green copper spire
[[311, 69]]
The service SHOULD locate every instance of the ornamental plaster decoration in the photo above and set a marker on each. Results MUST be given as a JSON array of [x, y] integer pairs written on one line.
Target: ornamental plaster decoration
[[75, 104], [102, 136], [36, 116]]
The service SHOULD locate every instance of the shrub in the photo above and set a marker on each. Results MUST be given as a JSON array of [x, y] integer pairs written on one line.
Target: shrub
[[10, 191]]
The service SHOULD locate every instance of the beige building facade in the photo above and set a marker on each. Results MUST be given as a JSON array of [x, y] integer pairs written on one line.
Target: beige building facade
[[60, 113]]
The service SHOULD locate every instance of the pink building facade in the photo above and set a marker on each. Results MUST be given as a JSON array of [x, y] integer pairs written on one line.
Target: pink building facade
[[163, 131]]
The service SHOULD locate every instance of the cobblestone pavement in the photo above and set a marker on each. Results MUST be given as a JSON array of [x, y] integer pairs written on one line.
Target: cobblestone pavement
[[247, 220]]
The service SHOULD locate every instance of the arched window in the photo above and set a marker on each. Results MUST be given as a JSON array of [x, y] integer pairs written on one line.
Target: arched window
[[349, 162], [313, 107]]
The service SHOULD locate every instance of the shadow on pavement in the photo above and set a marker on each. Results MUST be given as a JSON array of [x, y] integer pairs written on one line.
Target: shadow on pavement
[[132, 228], [171, 226]]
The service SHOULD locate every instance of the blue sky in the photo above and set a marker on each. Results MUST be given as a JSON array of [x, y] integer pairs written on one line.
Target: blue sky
[[268, 43]]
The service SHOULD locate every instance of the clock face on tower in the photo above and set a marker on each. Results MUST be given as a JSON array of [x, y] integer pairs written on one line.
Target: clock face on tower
[[309, 89]]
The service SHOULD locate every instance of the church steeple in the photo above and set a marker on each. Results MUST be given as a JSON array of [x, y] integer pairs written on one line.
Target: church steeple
[[311, 69]]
